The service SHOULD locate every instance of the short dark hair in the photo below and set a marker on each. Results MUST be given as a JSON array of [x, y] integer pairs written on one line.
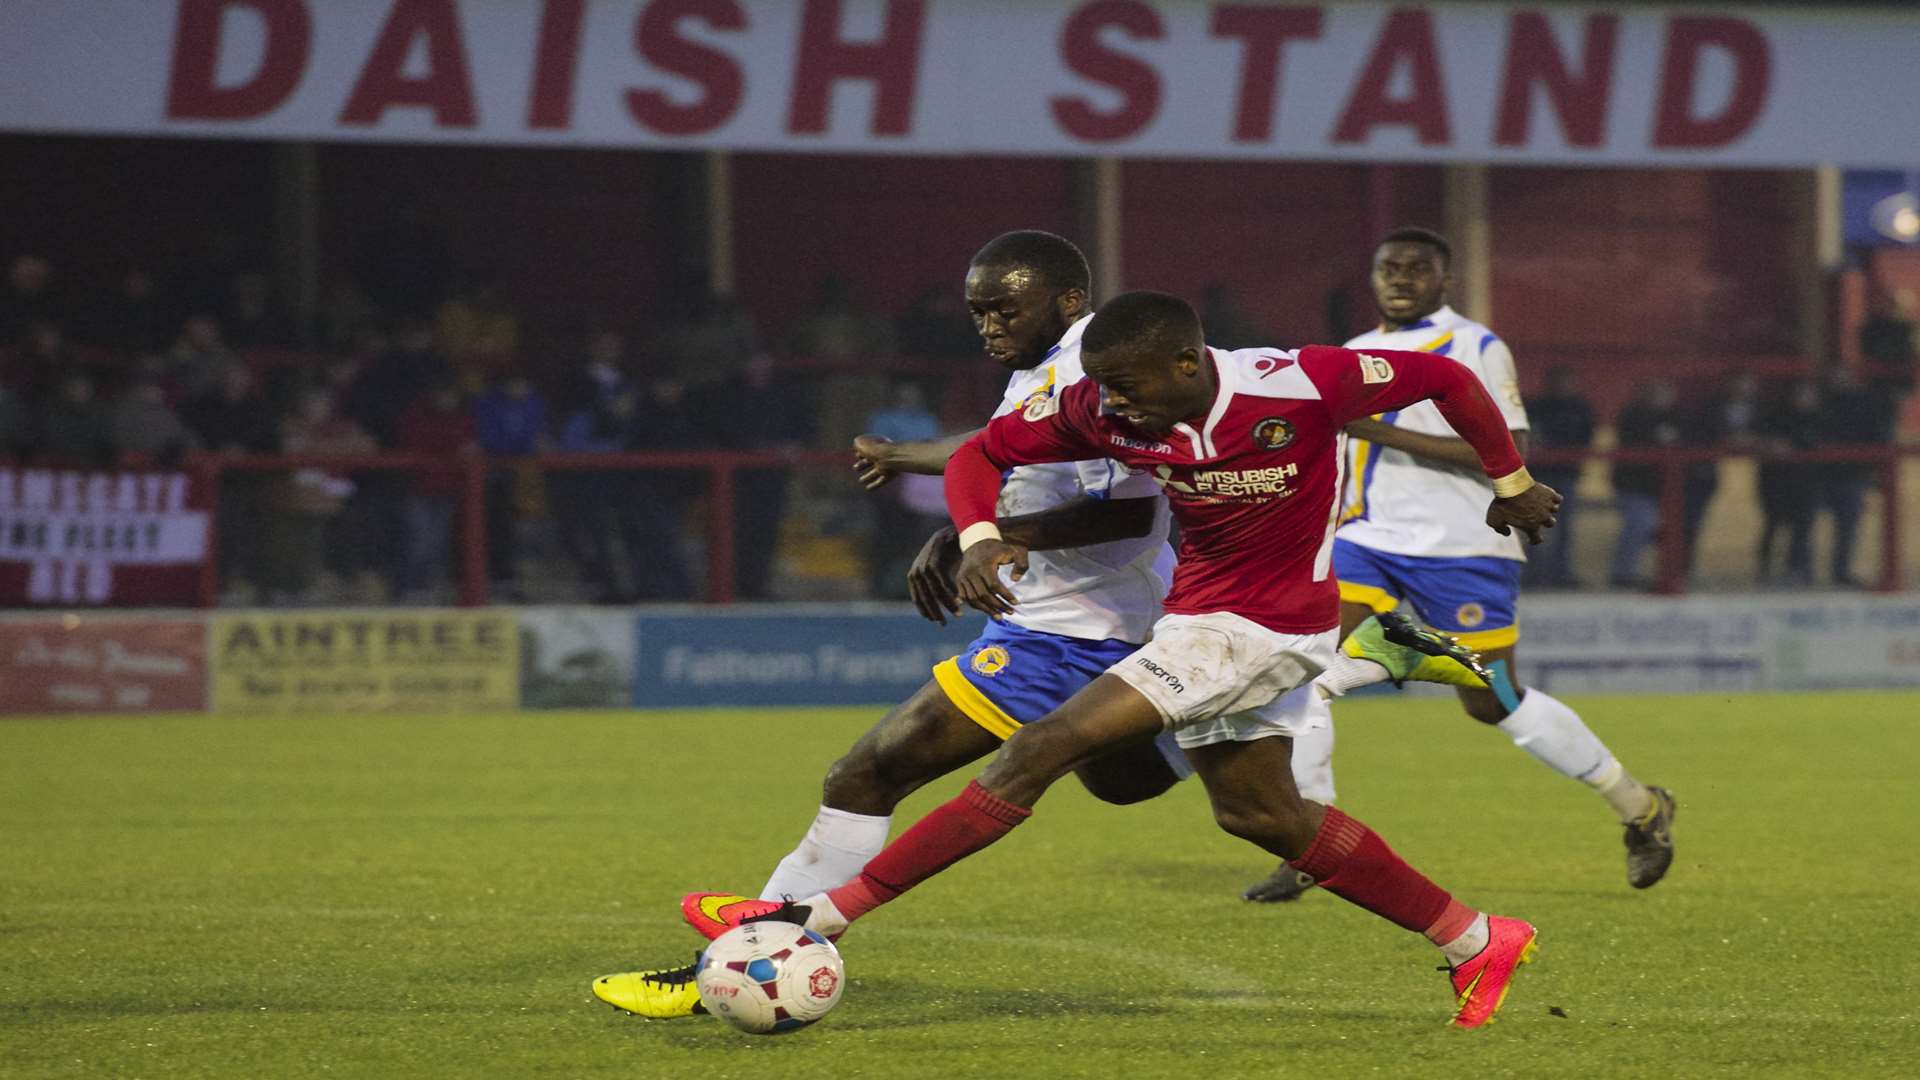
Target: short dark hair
[[1414, 234], [1059, 262], [1142, 319]]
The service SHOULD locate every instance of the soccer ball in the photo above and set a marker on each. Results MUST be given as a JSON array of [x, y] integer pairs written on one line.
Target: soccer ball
[[769, 978]]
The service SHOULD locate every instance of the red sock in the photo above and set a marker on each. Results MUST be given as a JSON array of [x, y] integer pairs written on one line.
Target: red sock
[[951, 832], [1350, 861]]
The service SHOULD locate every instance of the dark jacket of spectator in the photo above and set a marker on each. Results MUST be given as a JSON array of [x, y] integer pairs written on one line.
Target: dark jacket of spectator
[[1653, 420], [234, 417], [390, 384], [511, 419], [142, 422], [73, 427]]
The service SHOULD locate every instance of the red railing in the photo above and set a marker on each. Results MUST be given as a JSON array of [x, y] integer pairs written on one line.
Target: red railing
[[721, 471]]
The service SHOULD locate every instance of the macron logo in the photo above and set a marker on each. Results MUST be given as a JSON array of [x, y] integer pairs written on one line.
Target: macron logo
[[1163, 675]]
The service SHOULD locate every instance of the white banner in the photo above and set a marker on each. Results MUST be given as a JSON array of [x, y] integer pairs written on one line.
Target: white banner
[[1604, 643], [1337, 81]]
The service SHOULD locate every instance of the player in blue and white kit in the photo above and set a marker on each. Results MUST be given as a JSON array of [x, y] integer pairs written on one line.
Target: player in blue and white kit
[[1414, 532], [1086, 601]]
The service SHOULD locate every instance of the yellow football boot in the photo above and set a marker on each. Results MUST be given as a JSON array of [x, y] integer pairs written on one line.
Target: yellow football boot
[[1413, 653], [667, 994]]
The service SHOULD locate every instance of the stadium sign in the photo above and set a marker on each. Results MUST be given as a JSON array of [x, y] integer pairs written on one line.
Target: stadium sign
[[1630, 84]]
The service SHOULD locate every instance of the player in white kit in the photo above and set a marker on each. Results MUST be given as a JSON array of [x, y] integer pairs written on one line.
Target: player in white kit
[[1413, 533]]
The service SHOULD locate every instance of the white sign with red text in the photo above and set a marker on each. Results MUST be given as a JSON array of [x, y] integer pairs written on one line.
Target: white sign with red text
[[1710, 85]]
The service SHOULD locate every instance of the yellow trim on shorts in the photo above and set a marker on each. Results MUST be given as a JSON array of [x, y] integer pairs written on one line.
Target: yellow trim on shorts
[[967, 697], [1487, 640], [1374, 597]]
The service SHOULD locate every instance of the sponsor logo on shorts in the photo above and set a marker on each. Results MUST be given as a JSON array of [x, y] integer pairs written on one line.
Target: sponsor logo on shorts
[[1162, 674], [991, 661], [1470, 615], [1273, 433]]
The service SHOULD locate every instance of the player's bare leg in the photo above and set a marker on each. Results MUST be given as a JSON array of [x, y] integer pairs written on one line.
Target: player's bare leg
[[1555, 736], [1254, 797]]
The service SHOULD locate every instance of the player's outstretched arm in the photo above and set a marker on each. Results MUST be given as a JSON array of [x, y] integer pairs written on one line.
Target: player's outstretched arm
[[1445, 449], [1077, 522], [1358, 383], [879, 459]]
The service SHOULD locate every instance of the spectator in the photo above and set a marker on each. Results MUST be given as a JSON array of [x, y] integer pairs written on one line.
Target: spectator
[[199, 357], [1652, 420], [901, 520], [73, 427], [836, 328], [1854, 416], [756, 412], [1739, 413], [44, 359], [1561, 419], [436, 426], [479, 332], [1887, 340], [13, 424], [1228, 325], [1788, 494], [936, 326], [234, 418], [346, 319], [602, 372], [308, 501], [510, 420], [393, 381], [27, 297], [133, 319], [583, 500], [144, 426], [251, 320], [651, 515], [716, 341]]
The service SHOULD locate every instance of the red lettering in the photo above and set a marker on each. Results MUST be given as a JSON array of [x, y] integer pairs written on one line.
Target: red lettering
[[1408, 36], [556, 60], [1137, 82], [1675, 124], [1265, 31], [892, 63], [446, 88], [191, 91], [656, 37], [1580, 100]]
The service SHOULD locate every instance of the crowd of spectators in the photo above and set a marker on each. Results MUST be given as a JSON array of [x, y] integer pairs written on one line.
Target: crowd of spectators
[[151, 370]]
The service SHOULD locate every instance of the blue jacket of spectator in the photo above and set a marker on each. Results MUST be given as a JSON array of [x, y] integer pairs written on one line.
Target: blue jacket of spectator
[[504, 424]]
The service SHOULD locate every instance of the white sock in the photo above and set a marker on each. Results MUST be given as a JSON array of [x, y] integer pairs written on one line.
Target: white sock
[[824, 917], [830, 855], [1469, 943], [1348, 673], [1555, 734], [1313, 761]]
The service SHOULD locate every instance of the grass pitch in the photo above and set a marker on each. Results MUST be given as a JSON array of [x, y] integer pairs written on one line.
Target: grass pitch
[[372, 896]]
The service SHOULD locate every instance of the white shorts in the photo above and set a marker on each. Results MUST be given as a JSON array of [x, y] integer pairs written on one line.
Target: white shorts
[[1221, 678]]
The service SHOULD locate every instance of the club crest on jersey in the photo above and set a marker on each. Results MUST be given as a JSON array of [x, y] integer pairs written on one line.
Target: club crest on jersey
[[1375, 369], [1470, 614], [1040, 404], [991, 661], [1273, 433]]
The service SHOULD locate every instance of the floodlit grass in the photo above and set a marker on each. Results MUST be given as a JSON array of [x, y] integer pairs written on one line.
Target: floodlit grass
[[430, 896]]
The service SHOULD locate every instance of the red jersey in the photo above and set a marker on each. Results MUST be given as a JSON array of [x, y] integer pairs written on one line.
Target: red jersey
[[1254, 483]]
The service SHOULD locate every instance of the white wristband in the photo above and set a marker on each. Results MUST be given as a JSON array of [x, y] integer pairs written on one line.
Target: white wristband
[[978, 531], [1515, 482]]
